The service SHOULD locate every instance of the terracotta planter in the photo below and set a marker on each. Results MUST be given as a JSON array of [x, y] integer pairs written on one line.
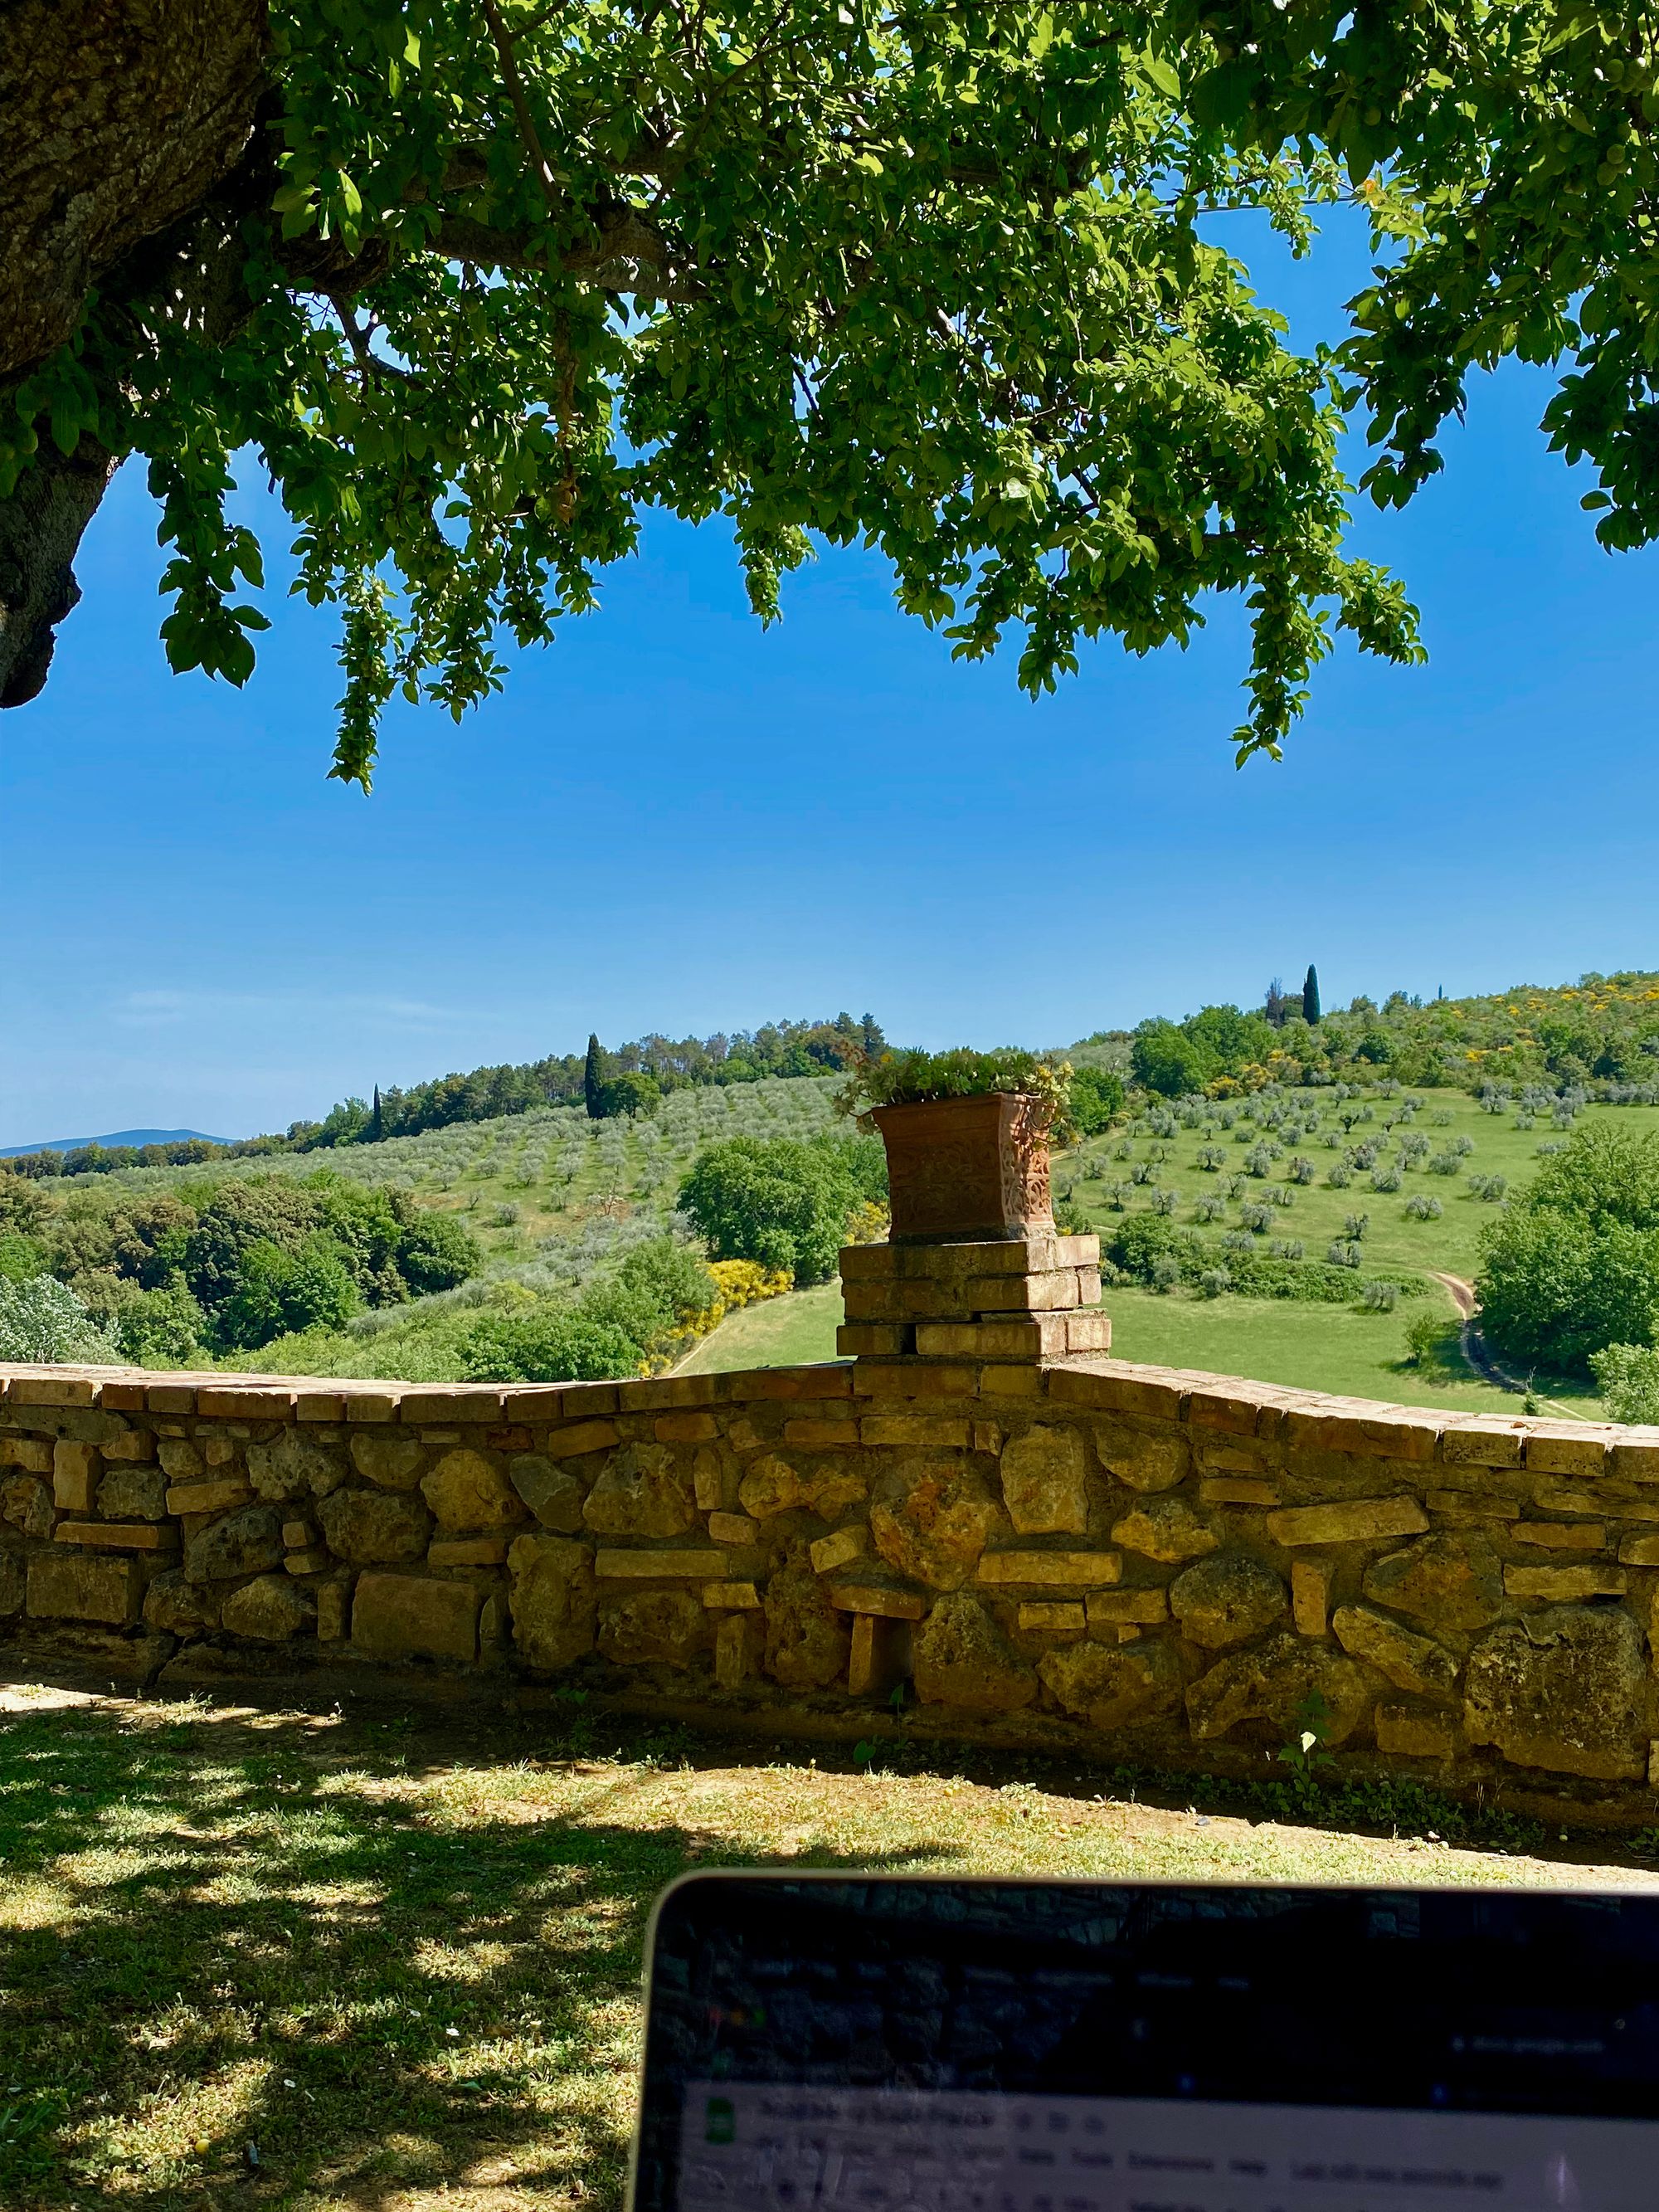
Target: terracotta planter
[[966, 1170]]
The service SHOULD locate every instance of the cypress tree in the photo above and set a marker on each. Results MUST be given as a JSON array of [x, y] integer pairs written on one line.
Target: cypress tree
[[376, 1129], [1310, 995], [593, 1081]]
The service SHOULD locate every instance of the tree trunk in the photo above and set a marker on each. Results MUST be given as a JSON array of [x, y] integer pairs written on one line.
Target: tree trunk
[[117, 118]]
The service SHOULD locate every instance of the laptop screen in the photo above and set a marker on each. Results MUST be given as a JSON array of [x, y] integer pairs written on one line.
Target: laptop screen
[[914, 2045]]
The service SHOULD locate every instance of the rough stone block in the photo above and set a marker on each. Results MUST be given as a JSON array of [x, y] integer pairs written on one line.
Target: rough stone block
[[27, 1503], [734, 1529], [1351, 1520], [913, 1379], [1112, 1688], [1483, 1444], [585, 1437], [132, 1446], [1071, 1570], [1411, 1732], [1011, 1382], [467, 1552], [469, 1495], [772, 1485], [865, 1339], [1559, 1584], [207, 1496], [810, 1435], [119, 1535], [736, 1650], [552, 1493], [1045, 1482], [691, 1428], [425, 1405], [1055, 1290], [868, 1305], [709, 1481], [1462, 1507], [1639, 1551], [876, 1598], [1087, 1332], [654, 1628], [1368, 1431], [358, 1405], [389, 1462], [31, 1455], [73, 1586], [293, 1463], [688, 1566], [1450, 1580], [1167, 1529], [1272, 1681], [1633, 1461], [1576, 1499], [962, 1658], [1239, 1490], [945, 1431], [74, 1477], [1051, 1616], [134, 1493], [1410, 1662], [642, 1491], [1124, 1608], [1567, 1450], [934, 1516], [333, 1609], [1226, 1599], [269, 1609], [1310, 1595], [878, 1656], [554, 1607], [296, 1535], [180, 1460], [178, 1607], [836, 1550], [1565, 1690], [309, 1559], [731, 1597], [376, 1528], [1140, 1461], [1042, 1339], [1562, 1535], [411, 1617]]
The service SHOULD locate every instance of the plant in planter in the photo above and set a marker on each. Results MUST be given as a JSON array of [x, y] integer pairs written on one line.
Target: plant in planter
[[967, 1136]]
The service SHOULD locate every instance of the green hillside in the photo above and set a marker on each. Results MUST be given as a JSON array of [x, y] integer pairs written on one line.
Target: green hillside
[[1291, 1221]]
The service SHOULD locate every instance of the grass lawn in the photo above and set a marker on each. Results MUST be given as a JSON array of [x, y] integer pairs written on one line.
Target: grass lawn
[[1312, 1347], [785, 1331], [316, 1960], [1354, 1354]]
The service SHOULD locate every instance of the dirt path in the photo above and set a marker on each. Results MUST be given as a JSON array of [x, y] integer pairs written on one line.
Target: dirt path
[[1472, 1344]]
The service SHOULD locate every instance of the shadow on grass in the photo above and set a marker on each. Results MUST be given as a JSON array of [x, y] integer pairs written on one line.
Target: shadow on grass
[[278, 1966]]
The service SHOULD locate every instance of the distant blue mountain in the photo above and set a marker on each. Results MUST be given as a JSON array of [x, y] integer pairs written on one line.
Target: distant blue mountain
[[120, 1137]]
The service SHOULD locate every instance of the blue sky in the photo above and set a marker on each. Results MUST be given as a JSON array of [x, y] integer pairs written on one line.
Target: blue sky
[[674, 820]]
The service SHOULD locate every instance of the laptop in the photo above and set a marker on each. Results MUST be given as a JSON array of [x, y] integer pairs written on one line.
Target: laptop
[[906, 2044]]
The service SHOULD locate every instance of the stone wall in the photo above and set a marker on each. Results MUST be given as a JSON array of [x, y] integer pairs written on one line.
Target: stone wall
[[1131, 1563]]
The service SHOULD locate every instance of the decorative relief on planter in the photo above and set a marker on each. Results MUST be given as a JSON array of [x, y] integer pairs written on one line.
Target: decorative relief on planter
[[961, 1169]]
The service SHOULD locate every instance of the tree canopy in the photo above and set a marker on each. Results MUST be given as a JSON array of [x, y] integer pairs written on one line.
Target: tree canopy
[[481, 286]]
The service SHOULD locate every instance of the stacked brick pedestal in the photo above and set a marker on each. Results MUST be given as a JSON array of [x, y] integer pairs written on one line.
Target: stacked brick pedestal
[[1019, 1298]]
